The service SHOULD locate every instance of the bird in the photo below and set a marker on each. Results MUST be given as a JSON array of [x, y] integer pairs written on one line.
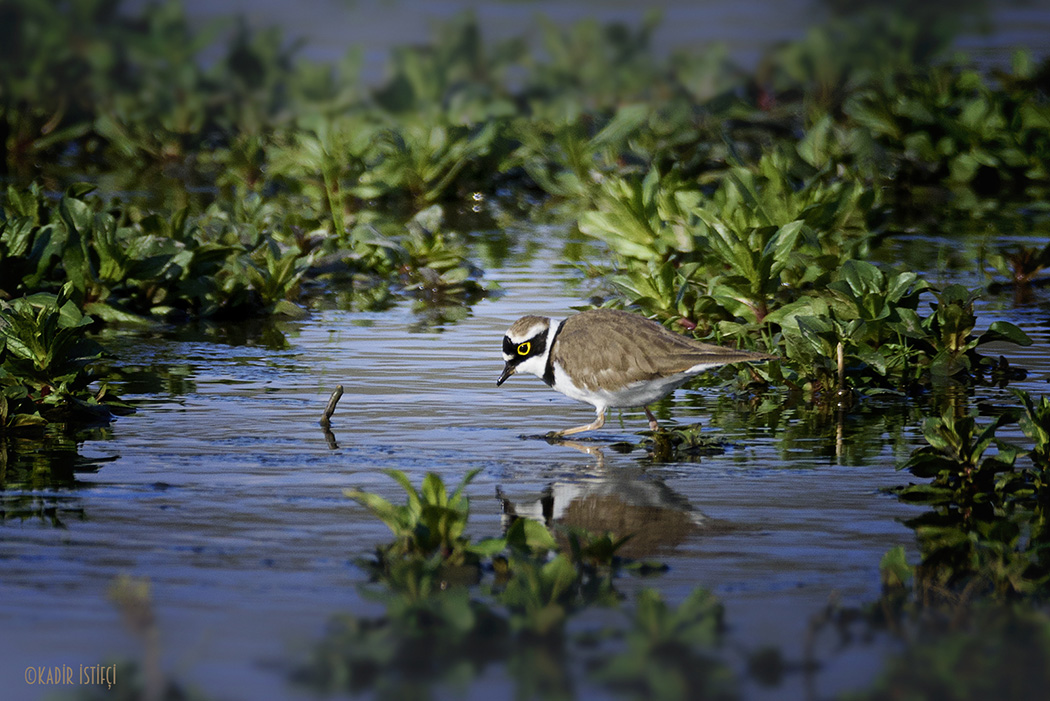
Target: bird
[[611, 359]]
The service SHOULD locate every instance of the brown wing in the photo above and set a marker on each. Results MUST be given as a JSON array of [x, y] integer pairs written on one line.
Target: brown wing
[[611, 348]]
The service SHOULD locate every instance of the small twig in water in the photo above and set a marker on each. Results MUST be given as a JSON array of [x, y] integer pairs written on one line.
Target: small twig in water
[[326, 419]]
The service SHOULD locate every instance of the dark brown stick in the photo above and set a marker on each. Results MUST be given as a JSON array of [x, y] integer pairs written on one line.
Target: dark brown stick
[[326, 419]]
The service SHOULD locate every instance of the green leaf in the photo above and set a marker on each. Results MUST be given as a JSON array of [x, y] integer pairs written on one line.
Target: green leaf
[[488, 547], [289, 309], [26, 421], [79, 190], [894, 569], [530, 535], [1004, 331], [559, 574], [862, 277], [433, 491], [926, 494], [70, 316], [627, 120], [406, 484], [782, 244], [380, 507]]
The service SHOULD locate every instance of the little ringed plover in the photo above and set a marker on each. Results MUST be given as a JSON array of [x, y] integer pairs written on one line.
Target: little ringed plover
[[610, 359]]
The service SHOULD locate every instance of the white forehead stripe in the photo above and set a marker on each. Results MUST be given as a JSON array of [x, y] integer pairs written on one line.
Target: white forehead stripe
[[532, 331]]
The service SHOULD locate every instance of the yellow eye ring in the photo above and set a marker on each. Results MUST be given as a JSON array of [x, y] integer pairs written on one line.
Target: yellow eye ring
[[524, 348]]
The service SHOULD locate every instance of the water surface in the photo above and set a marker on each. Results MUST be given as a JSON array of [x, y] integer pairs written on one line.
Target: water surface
[[225, 492]]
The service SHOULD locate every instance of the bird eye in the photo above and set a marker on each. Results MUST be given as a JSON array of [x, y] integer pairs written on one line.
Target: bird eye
[[524, 348]]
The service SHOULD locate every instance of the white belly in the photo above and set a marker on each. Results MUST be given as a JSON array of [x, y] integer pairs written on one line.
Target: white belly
[[632, 395]]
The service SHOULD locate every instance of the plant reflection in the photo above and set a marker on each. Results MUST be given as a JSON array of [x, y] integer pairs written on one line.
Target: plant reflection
[[36, 471]]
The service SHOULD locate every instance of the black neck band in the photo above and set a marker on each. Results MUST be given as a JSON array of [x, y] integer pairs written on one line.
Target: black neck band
[[548, 372]]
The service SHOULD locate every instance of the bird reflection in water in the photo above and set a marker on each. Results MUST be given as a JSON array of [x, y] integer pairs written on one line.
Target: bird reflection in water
[[620, 501]]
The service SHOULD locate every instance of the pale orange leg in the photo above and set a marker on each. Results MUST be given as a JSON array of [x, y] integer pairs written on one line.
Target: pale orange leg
[[597, 423]]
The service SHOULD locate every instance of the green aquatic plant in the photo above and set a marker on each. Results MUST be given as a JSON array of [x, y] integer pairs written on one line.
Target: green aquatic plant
[[27, 253], [248, 258], [640, 219], [441, 115], [541, 595], [438, 629], [430, 550], [427, 156], [609, 64], [158, 116], [322, 160], [117, 89], [863, 331], [39, 465], [683, 444], [430, 522], [864, 327], [770, 255], [1035, 422], [239, 260], [48, 81], [44, 363], [669, 650], [229, 261], [107, 264], [455, 69], [953, 638], [244, 258], [435, 263], [953, 344], [275, 279], [666, 291], [350, 161], [567, 152], [956, 462], [867, 317], [988, 530], [895, 573], [543, 582], [844, 55], [949, 124], [397, 656], [666, 648], [1021, 266], [129, 91], [996, 652], [595, 552], [750, 246]]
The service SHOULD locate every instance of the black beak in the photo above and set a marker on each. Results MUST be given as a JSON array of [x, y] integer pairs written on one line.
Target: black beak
[[508, 370]]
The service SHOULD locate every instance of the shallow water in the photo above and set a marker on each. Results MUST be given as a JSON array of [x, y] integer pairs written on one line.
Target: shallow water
[[225, 492]]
